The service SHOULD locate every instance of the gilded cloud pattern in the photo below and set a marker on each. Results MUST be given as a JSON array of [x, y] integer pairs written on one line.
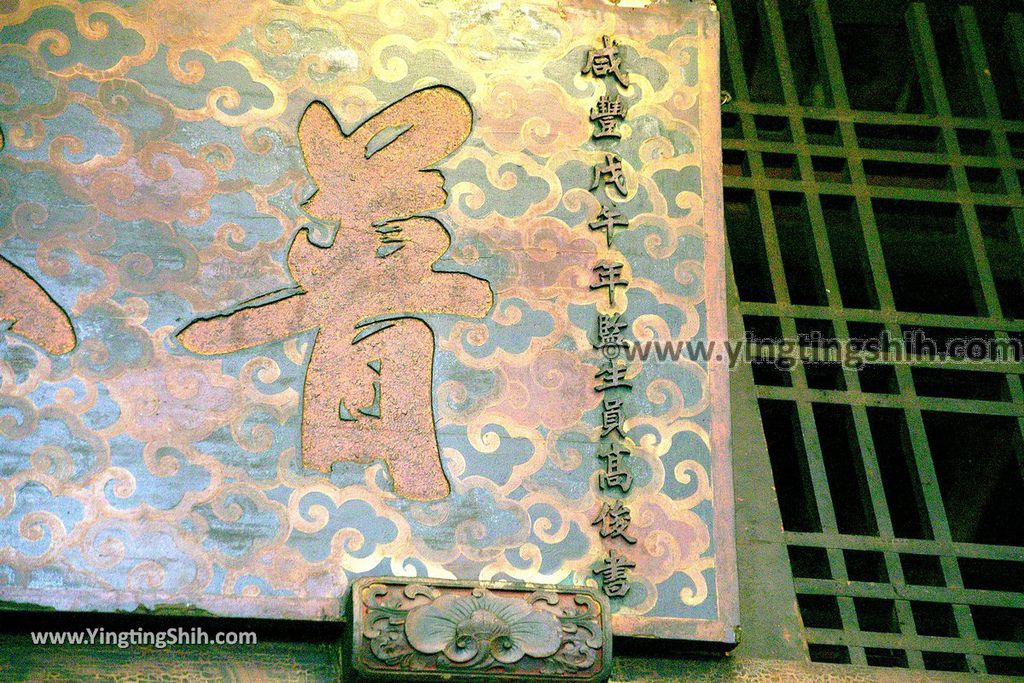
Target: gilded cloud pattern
[[152, 176]]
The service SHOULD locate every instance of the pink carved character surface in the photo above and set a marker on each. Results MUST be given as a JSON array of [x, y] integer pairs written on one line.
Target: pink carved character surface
[[368, 386]]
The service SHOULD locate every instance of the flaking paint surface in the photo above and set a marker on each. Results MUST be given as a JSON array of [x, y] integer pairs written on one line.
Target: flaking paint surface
[[154, 176]]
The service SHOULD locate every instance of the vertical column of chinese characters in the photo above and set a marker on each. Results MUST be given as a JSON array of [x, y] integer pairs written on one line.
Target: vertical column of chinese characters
[[615, 481]]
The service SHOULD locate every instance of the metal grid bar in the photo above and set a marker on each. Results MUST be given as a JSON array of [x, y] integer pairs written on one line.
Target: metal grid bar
[[872, 117], [863, 190], [903, 545], [874, 316], [772, 21], [909, 592], [974, 53]]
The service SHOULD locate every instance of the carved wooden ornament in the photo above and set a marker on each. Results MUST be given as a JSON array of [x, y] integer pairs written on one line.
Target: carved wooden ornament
[[420, 629]]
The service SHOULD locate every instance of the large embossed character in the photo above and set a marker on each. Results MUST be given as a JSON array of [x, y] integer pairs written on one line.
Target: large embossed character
[[27, 310], [367, 391]]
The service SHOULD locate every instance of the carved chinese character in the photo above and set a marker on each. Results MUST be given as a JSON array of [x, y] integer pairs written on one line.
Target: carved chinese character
[[609, 275], [610, 172], [29, 311], [612, 417], [609, 335], [612, 377], [616, 474], [608, 112], [606, 60], [607, 220], [367, 392], [614, 581], [614, 521]]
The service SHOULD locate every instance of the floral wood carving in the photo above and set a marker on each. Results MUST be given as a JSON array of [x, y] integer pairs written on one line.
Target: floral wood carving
[[417, 628]]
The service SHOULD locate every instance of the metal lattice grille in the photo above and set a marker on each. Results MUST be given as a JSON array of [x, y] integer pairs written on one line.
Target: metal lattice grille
[[874, 159]]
